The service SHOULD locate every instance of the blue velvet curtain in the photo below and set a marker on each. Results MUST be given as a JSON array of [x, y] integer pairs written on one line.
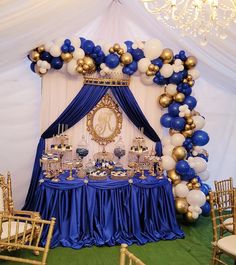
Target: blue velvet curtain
[[83, 103]]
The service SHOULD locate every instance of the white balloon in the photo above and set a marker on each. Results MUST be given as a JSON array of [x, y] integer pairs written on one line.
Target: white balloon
[[75, 41], [178, 62], [194, 73], [152, 49], [143, 64], [78, 54], [205, 175], [166, 70], [44, 64], [195, 215], [42, 70], [39, 63], [199, 121], [181, 114], [147, 80], [166, 140], [196, 198], [167, 149], [71, 67], [177, 139], [200, 164], [181, 190], [171, 89], [59, 42], [48, 46], [55, 51], [168, 162]]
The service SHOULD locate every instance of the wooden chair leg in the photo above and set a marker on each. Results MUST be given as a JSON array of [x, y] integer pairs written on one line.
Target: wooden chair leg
[[122, 253], [214, 255]]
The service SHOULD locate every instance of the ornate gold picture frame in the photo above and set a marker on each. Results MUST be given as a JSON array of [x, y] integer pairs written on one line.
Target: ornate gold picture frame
[[104, 122]]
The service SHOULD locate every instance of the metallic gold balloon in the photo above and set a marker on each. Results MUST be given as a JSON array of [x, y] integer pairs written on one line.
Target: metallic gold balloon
[[187, 133], [66, 56], [191, 83], [185, 81], [208, 198], [34, 56], [179, 153], [189, 121], [80, 62], [84, 72], [150, 73], [167, 55], [156, 68], [197, 186], [41, 48], [193, 126], [116, 47], [79, 69], [188, 115], [151, 67], [189, 217], [179, 97], [126, 58], [190, 62], [189, 78], [181, 205], [121, 51], [111, 50], [165, 100], [89, 61], [173, 175], [194, 181], [85, 67], [190, 185], [187, 127]]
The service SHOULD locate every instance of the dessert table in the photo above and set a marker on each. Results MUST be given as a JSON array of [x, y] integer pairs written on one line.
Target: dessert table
[[107, 212]]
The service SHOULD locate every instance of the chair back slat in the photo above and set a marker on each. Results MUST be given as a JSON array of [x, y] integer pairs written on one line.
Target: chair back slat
[[131, 258]]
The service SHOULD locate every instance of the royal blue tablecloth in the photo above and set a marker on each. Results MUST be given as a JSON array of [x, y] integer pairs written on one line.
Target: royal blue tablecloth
[[108, 212]]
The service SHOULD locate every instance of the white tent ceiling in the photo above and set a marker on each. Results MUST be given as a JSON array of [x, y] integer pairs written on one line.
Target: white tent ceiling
[[27, 24]]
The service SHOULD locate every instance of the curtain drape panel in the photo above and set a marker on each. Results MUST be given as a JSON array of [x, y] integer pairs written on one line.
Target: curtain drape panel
[[83, 103]]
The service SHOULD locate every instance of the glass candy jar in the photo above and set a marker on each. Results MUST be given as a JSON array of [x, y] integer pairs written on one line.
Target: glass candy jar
[[119, 151], [82, 149]]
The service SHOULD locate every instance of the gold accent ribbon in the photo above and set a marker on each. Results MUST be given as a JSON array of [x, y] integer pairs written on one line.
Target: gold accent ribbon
[[106, 81]]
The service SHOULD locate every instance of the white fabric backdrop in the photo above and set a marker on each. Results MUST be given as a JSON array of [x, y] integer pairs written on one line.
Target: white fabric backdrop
[[28, 24]]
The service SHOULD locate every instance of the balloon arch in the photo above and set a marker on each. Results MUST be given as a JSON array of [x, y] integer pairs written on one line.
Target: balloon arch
[[183, 158]]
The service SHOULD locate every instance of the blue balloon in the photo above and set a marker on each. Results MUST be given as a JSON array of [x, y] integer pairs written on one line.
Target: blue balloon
[[64, 48], [32, 65], [82, 40], [182, 56], [57, 63], [166, 120], [133, 66], [129, 44], [88, 46], [177, 56], [71, 48], [178, 123], [46, 56], [173, 109], [67, 42], [100, 59], [97, 49], [157, 62], [190, 174], [127, 71], [191, 102], [176, 78], [206, 209], [205, 189], [200, 138], [112, 60], [182, 167], [137, 54]]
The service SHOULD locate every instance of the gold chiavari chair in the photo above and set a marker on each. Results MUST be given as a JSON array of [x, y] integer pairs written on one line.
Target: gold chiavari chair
[[219, 213], [225, 198], [125, 256], [21, 229]]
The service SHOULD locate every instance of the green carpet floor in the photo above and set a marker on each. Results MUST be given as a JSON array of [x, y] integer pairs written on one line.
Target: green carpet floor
[[195, 249]]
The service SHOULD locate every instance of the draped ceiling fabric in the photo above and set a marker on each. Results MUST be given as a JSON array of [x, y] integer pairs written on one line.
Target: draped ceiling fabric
[[28, 24]]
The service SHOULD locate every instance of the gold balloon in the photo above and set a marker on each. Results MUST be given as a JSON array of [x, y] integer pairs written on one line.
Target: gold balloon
[[66, 56], [126, 58], [89, 61], [34, 56], [41, 48], [179, 153], [85, 67], [197, 186], [189, 78], [187, 133], [111, 50], [167, 55], [190, 185], [189, 121], [120, 51], [193, 126], [190, 62], [84, 72], [208, 198], [188, 115], [187, 127], [191, 83], [79, 69], [172, 174], [189, 217], [80, 62], [165, 100], [181, 205], [151, 67], [179, 97], [185, 81], [156, 68], [150, 73], [194, 180], [116, 47]]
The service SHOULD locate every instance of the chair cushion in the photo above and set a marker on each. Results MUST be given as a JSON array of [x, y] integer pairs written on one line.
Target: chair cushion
[[4, 234], [229, 224], [228, 244]]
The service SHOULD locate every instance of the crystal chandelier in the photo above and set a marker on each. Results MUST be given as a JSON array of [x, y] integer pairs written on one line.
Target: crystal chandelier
[[199, 18]]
